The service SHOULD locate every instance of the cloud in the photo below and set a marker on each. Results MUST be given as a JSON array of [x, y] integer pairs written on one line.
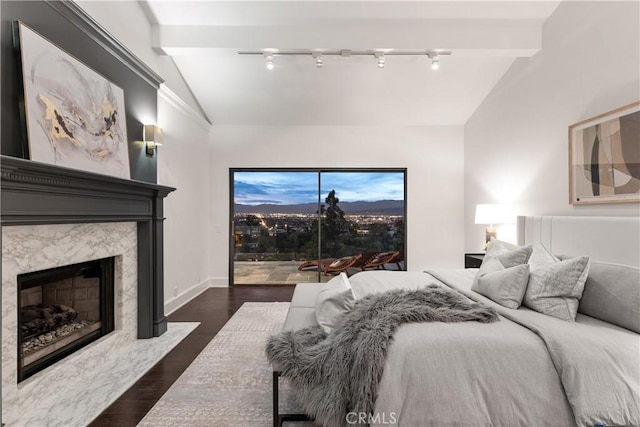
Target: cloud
[[302, 187], [364, 186], [281, 188]]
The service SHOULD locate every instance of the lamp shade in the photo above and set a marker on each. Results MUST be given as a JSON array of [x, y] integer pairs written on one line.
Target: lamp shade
[[492, 214], [152, 133]]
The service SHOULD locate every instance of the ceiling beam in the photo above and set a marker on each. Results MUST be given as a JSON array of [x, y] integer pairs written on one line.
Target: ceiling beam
[[492, 37]]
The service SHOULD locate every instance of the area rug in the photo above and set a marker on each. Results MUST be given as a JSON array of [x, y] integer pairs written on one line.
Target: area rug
[[229, 383]]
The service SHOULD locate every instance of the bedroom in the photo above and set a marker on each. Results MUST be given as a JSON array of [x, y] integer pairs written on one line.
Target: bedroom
[[504, 139]]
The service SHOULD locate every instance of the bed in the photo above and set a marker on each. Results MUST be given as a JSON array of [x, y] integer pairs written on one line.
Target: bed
[[529, 368]]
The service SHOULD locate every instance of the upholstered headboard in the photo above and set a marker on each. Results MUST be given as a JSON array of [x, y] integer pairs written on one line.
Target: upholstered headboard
[[606, 239]]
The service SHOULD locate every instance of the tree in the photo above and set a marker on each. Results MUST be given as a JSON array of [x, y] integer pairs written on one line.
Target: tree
[[334, 225], [399, 234], [378, 237], [334, 217]]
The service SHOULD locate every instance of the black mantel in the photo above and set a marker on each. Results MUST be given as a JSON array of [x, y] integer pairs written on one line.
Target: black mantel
[[39, 193]]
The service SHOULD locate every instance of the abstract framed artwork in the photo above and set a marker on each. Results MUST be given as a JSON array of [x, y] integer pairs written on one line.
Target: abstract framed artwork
[[604, 158], [75, 117]]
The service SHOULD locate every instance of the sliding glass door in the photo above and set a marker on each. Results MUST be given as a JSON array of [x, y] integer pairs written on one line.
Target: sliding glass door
[[306, 225]]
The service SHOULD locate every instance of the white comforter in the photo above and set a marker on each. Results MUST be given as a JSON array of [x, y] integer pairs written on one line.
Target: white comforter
[[547, 373]]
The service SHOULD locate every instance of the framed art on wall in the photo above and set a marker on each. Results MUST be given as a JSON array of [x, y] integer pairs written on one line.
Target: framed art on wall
[[604, 158], [74, 116]]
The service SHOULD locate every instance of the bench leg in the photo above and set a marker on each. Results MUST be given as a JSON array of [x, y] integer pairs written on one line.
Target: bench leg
[[278, 418], [276, 407]]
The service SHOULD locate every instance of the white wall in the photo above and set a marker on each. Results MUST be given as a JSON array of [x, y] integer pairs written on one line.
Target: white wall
[[516, 142], [127, 22], [183, 160], [433, 157], [183, 163]]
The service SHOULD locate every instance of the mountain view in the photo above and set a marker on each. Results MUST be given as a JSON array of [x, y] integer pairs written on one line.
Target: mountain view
[[276, 217], [380, 207]]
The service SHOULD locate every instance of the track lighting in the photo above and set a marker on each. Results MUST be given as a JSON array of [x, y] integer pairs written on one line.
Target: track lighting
[[269, 62], [319, 60], [435, 60], [319, 55]]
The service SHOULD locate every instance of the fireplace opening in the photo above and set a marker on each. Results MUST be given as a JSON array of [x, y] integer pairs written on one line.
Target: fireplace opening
[[62, 310]]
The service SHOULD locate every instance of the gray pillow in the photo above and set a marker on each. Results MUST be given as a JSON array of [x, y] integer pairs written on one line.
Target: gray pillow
[[612, 294], [335, 298], [507, 254], [555, 287], [506, 286], [501, 244]]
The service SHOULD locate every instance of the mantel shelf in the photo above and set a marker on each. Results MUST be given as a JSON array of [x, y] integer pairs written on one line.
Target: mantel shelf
[[40, 193]]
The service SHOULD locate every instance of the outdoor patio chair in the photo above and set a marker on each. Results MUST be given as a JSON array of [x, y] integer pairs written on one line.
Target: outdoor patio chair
[[314, 264], [366, 258], [341, 264], [397, 259], [381, 259]]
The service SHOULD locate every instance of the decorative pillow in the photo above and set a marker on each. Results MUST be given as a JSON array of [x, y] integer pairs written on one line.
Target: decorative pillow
[[555, 287], [507, 254], [335, 298], [500, 245], [612, 293], [506, 286]]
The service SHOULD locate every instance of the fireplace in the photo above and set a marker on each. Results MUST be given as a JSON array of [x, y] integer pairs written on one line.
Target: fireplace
[[63, 309], [52, 216]]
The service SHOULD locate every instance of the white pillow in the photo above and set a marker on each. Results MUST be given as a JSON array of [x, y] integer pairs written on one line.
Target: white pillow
[[506, 254], [500, 245], [509, 255], [555, 287], [335, 298], [506, 286]]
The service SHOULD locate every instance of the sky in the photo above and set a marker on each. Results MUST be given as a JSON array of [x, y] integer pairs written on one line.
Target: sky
[[286, 188]]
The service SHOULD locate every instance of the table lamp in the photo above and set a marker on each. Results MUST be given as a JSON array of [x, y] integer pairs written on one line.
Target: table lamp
[[491, 214]]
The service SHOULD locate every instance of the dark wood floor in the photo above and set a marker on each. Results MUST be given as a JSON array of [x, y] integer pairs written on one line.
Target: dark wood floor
[[212, 309]]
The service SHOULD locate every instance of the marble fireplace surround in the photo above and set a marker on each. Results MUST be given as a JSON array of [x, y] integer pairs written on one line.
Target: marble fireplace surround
[[30, 248], [54, 216], [36, 193]]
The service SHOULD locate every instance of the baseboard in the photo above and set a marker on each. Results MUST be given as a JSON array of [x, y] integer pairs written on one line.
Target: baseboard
[[175, 303], [212, 282], [219, 282]]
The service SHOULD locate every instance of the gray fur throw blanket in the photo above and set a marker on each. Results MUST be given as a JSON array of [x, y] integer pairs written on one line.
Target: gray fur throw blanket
[[339, 373]]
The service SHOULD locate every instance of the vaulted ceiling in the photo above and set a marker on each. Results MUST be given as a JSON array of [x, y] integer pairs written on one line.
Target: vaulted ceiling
[[204, 38]]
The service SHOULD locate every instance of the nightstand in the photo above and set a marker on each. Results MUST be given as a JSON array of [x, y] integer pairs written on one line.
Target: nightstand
[[473, 260]]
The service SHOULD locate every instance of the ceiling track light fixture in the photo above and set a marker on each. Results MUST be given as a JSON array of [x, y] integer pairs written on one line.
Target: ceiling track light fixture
[[319, 54], [268, 58], [319, 59], [435, 60]]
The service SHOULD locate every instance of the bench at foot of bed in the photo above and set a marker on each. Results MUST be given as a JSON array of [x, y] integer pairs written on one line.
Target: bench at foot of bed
[[301, 314], [279, 418]]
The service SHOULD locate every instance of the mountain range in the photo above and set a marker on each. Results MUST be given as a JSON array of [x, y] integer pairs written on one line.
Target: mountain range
[[380, 207]]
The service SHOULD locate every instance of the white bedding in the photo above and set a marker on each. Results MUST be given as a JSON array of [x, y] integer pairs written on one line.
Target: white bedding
[[502, 373], [598, 363]]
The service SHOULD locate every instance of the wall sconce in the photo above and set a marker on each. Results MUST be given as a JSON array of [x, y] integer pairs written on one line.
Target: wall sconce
[[491, 214], [152, 137]]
